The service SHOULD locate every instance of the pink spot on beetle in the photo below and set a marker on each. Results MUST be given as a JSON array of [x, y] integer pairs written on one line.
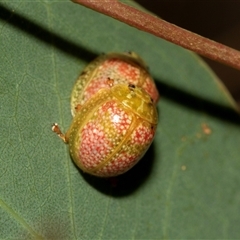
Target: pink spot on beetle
[[94, 146], [129, 71], [119, 164], [142, 135], [150, 88], [117, 117], [106, 106], [94, 86], [120, 71]]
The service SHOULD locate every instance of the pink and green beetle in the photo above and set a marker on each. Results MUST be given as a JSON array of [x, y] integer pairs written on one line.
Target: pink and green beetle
[[114, 112]]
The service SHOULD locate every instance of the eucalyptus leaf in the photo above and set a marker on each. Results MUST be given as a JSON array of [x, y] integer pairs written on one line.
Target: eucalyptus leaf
[[186, 186]]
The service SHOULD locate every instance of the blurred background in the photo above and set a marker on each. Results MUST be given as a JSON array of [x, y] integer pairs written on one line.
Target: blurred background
[[218, 20]]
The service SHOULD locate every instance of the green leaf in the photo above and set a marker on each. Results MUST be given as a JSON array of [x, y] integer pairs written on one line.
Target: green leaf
[[186, 186]]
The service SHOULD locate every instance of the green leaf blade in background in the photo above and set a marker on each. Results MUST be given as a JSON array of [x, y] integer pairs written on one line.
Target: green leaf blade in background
[[187, 185]]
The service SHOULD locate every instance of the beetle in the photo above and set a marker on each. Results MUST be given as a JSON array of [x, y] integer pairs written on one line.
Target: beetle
[[114, 112]]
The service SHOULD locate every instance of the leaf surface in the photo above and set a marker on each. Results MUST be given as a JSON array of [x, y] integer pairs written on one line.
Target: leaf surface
[[186, 186]]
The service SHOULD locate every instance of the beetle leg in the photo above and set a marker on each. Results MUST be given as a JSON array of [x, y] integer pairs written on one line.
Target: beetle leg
[[56, 129]]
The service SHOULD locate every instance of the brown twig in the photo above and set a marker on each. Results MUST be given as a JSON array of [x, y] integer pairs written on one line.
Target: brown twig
[[170, 32]]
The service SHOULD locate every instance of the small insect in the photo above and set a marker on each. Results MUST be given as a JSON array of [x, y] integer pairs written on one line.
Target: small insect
[[112, 69], [114, 112]]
